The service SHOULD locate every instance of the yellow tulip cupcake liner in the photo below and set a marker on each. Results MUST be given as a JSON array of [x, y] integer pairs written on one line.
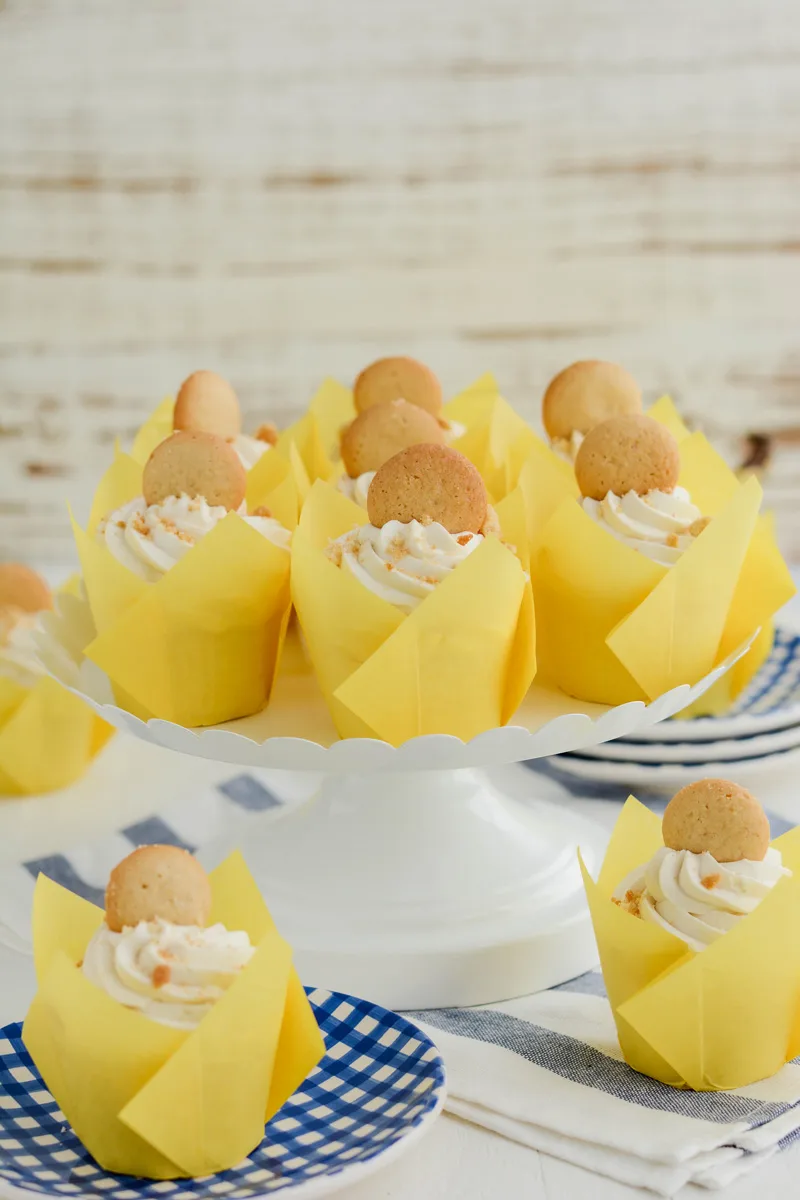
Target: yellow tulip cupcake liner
[[155, 1101], [48, 737], [202, 645], [459, 664], [614, 626], [722, 1018]]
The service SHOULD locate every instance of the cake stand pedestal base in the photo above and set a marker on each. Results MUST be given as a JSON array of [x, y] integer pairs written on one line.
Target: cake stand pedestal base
[[425, 889]]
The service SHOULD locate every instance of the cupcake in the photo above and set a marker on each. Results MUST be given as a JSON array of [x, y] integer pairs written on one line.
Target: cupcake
[[582, 396], [48, 737], [167, 1041], [634, 586], [419, 621], [696, 919], [188, 589], [376, 435]]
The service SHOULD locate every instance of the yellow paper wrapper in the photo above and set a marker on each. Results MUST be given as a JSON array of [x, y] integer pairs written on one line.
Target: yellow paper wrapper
[[459, 664], [156, 428], [201, 645], [48, 737], [315, 436], [157, 1102], [613, 626], [497, 439], [719, 1019], [765, 583]]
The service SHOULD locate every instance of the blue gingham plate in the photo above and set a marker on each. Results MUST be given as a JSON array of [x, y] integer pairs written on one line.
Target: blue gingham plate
[[770, 701], [380, 1085]]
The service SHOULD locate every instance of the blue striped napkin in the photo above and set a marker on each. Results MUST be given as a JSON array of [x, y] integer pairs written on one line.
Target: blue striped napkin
[[545, 1071]]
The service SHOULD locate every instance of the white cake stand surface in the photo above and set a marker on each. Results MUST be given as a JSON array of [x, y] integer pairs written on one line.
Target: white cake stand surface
[[410, 877]]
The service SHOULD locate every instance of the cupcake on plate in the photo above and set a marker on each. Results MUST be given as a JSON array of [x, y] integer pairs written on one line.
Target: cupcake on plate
[[376, 435], [188, 589], [582, 396], [48, 737], [695, 918], [170, 1028], [419, 621]]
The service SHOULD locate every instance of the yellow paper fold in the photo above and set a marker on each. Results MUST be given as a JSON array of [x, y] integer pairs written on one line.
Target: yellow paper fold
[[157, 1102], [201, 645], [614, 626], [719, 1019], [765, 583], [48, 737], [315, 436], [459, 664], [156, 428], [498, 441]]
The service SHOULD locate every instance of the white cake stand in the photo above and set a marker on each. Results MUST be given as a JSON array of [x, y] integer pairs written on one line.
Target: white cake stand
[[410, 877]]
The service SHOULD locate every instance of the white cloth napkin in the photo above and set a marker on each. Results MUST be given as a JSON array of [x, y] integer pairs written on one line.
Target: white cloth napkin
[[547, 1071]]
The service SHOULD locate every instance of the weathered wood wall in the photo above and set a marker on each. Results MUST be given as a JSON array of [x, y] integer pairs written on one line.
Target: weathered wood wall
[[285, 190]]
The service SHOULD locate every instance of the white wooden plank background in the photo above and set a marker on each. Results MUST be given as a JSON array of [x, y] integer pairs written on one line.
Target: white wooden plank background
[[285, 190]]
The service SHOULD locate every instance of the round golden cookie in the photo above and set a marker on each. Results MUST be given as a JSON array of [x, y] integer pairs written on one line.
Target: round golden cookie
[[586, 393], [398, 379], [157, 881], [207, 403], [719, 817], [383, 430], [627, 454], [197, 465], [429, 483], [23, 588]]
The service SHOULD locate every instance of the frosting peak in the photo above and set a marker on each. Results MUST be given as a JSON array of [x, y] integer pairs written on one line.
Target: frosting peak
[[693, 896], [356, 489], [173, 974], [402, 562], [149, 539], [657, 524]]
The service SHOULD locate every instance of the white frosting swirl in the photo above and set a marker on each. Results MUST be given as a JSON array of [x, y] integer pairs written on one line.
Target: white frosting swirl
[[454, 431], [173, 974], [656, 524], [403, 563], [695, 897], [18, 658], [148, 540], [249, 449], [567, 448], [356, 489]]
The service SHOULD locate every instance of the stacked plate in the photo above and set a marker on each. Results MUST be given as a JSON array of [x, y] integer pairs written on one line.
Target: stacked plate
[[760, 732]]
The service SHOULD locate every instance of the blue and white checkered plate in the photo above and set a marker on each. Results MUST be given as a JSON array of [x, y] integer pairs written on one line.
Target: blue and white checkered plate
[[379, 1087]]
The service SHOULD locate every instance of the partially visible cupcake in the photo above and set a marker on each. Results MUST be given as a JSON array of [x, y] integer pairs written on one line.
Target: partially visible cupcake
[[23, 595], [206, 403], [403, 378], [627, 469], [376, 435], [190, 483], [583, 395]]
